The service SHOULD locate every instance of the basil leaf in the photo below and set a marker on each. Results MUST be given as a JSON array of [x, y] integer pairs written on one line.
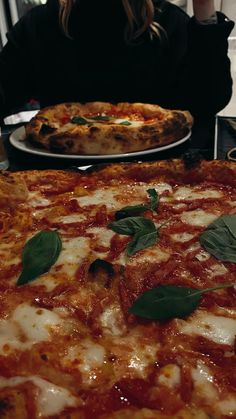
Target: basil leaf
[[134, 210], [141, 241], [131, 210], [219, 239], [39, 254], [79, 120], [154, 199], [225, 221], [125, 123], [131, 225], [144, 232], [166, 302], [101, 118]]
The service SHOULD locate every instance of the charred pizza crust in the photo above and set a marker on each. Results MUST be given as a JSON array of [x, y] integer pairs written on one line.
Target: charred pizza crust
[[103, 128]]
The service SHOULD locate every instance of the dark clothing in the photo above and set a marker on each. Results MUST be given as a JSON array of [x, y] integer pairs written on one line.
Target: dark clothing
[[189, 69]]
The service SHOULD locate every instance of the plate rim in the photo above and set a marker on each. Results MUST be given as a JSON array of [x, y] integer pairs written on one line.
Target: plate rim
[[16, 140]]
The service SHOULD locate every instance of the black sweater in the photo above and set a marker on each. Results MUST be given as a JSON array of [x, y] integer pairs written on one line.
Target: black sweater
[[189, 70]]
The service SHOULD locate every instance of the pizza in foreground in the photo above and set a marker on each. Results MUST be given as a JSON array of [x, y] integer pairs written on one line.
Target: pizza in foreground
[[117, 292], [103, 128]]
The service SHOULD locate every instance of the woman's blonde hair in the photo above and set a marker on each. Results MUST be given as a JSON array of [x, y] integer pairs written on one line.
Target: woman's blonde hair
[[140, 18]]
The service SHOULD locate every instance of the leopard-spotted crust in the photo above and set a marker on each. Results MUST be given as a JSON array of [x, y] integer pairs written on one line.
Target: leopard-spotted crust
[[139, 127]]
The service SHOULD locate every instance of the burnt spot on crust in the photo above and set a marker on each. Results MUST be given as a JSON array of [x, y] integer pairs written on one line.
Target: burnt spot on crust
[[5, 404], [155, 138], [179, 117], [69, 143], [192, 159], [120, 137], [56, 147], [170, 127], [34, 142], [33, 124], [46, 129], [175, 128], [44, 357], [42, 118], [148, 129], [12, 404], [94, 129]]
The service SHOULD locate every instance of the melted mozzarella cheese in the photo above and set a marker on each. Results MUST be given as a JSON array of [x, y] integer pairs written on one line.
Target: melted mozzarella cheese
[[51, 399], [232, 203], [227, 407], [132, 122], [37, 200], [217, 269], [219, 329], [72, 218], [201, 374], [112, 321], [103, 196], [198, 217], [188, 193], [202, 255], [74, 250], [134, 354], [47, 280], [116, 197], [169, 376], [26, 326], [7, 257], [151, 254], [87, 357], [182, 237], [102, 235], [162, 187], [139, 360], [204, 385], [203, 382]]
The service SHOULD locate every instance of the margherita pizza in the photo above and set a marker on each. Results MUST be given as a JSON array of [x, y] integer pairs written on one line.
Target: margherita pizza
[[117, 291], [103, 128]]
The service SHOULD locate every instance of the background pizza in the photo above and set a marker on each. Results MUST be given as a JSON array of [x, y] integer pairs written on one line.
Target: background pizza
[[103, 128], [98, 271]]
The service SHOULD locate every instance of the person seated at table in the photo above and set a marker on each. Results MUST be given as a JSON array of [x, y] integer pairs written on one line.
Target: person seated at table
[[118, 50]]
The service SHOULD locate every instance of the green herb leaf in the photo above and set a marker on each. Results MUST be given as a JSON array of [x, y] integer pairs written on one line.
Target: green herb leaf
[[169, 301], [154, 199], [125, 123], [144, 232], [39, 254], [131, 210], [101, 118], [219, 239], [79, 120], [132, 225], [141, 241], [135, 210]]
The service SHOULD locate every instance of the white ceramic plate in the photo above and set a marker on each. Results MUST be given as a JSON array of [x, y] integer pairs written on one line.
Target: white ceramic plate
[[17, 139]]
